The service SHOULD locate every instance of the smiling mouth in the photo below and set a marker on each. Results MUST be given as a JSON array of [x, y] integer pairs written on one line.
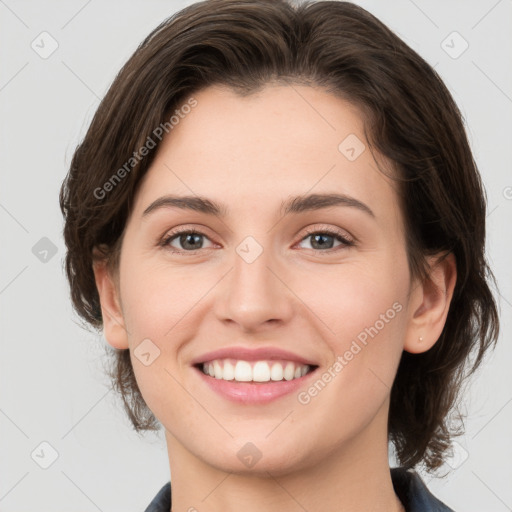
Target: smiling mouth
[[254, 371]]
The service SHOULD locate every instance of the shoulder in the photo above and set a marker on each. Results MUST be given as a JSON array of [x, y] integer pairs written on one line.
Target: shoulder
[[413, 492], [162, 501]]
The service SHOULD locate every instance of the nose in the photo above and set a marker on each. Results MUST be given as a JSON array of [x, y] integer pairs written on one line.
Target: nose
[[254, 294]]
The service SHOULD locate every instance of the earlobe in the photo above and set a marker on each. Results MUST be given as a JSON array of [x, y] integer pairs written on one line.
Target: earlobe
[[432, 302], [114, 329]]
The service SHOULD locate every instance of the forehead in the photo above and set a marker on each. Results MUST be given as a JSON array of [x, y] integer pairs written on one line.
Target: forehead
[[260, 149], [276, 122]]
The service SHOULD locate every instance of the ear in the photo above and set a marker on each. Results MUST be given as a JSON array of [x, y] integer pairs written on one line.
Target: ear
[[114, 329], [430, 302]]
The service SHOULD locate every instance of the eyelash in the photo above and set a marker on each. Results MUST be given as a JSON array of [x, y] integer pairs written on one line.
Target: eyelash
[[191, 231]]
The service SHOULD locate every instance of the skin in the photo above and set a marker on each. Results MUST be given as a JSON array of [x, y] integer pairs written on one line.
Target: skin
[[251, 154]]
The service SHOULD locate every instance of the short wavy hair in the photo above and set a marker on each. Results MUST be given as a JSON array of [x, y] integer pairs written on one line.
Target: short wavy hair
[[409, 117]]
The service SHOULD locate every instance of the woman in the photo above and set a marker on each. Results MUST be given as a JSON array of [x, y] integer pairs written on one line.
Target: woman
[[276, 218]]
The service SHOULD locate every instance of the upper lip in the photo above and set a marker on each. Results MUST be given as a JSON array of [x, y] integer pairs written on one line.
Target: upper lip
[[252, 354]]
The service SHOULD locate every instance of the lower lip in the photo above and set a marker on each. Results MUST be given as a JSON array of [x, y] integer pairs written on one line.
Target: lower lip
[[253, 392]]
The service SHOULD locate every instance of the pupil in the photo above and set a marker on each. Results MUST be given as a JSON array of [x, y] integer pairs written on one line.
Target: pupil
[[186, 237], [316, 237]]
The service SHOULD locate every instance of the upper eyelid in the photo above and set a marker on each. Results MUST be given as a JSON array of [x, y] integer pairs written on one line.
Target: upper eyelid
[[309, 231], [331, 231]]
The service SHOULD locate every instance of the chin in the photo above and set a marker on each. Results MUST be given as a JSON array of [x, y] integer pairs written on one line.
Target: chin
[[259, 458]]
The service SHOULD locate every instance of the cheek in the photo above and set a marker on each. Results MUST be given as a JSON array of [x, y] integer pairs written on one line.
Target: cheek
[[158, 302], [365, 313], [357, 300], [156, 299], [364, 310]]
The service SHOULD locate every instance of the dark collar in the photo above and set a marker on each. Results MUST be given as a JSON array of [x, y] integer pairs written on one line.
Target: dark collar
[[413, 492], [408, 485]]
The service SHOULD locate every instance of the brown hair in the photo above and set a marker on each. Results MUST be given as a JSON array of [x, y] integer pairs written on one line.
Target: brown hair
[[410, 118]]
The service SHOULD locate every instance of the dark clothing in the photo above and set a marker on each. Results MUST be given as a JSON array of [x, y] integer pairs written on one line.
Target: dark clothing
[[408, 485]]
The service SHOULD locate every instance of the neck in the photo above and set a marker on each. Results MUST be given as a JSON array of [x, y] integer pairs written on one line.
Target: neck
[[354, 477]]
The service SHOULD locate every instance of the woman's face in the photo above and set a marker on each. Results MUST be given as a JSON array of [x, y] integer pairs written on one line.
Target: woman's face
[[264, 276]]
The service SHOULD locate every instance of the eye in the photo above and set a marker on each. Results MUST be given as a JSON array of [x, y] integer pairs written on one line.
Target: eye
[[322, 240], [188, 239]]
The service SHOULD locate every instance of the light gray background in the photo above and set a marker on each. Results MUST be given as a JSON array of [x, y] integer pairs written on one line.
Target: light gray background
[[52, 384]]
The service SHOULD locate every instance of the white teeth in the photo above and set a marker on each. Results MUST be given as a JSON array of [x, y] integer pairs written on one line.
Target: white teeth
[[260, 371], [228, 371], [243, 371], [217, 368], [289, 371], [276, 373]]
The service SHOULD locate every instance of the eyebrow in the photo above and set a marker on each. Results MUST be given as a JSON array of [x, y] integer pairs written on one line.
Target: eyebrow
[[297, 204]]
